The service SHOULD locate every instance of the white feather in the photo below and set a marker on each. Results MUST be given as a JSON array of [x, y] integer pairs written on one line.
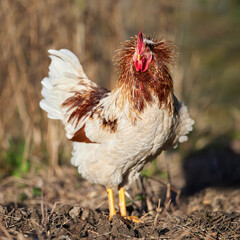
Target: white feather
[[65, 76]]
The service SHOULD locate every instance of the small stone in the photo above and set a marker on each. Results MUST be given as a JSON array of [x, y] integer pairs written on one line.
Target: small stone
[[17, 215], [2, 210], [74, 212], [63, 209], [85, 214]]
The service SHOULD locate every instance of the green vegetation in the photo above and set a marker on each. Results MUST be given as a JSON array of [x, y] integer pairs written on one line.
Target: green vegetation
[[14, 161]]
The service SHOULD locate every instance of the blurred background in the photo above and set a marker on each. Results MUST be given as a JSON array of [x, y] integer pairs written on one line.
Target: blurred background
[[206, 75]]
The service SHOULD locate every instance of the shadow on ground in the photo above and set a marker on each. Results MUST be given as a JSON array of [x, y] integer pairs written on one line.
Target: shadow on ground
[[216, 165]]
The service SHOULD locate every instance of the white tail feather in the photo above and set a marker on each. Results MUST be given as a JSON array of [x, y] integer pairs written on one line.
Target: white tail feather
[[65, 76], [185, 125]]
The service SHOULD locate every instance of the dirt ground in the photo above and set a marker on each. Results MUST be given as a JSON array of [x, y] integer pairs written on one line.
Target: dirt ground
[[61, 205]]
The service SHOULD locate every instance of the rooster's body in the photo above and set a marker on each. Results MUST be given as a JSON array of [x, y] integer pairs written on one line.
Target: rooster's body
[[115, 133]]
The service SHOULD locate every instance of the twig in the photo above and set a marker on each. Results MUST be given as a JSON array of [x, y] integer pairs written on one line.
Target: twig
[[37, 228], [15, 179], [156, 217], [53, 208], [158, 213], [197, 229], [42, 207], [133, 202], [5, 231], [174, 189]]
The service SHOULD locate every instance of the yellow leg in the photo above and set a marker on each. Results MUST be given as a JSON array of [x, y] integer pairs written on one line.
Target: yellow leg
[[123, 209], [112, 210], [122, 202]]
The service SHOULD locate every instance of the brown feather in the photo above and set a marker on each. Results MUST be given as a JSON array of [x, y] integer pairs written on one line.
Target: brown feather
[[111, 125], [80, 136], [84, 103], [139, 87]]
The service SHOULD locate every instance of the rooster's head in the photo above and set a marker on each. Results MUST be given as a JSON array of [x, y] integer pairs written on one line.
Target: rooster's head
[[143, 54]]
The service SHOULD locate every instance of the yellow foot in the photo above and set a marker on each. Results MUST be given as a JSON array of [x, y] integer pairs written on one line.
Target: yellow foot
[[132, 219], [123, 210], [122, 205]]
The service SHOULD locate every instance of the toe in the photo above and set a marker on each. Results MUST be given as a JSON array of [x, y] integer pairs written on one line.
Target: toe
[[133, 219]]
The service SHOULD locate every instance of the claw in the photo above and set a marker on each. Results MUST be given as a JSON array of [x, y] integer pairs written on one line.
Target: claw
[[122, 206], [123, 210], [133, 219]]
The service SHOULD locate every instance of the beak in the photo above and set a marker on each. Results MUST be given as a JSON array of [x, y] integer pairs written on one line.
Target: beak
[[138, 57]]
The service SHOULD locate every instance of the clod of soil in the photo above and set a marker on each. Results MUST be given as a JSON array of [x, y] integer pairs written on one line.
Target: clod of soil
[[75, 222]]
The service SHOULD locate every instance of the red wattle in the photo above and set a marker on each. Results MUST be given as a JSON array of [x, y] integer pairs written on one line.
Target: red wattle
[[142, 65]]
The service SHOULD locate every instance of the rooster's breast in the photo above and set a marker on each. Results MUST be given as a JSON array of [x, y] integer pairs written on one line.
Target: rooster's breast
[[120, 160], [151, 134]]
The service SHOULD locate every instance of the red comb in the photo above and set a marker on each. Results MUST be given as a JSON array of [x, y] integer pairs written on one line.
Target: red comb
[[140, 42]]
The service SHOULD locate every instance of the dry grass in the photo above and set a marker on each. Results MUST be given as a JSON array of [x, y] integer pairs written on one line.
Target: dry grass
[[28, 29], [93, 30]]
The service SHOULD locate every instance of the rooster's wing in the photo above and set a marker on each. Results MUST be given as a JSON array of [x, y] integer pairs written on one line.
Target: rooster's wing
[[74, 99]]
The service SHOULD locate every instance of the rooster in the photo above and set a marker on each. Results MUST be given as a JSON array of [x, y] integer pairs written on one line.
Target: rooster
[[115, 133]]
